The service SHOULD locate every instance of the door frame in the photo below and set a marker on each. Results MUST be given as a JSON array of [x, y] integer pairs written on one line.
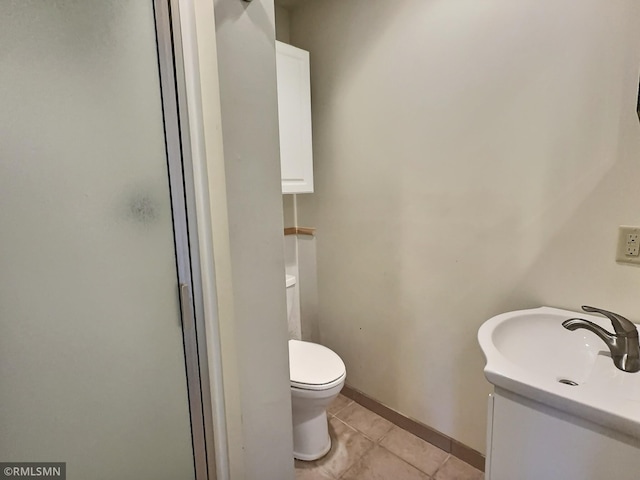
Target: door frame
[[180, 161]]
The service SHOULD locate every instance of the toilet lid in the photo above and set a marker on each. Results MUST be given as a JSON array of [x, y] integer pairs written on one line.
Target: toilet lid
[[314, 367]]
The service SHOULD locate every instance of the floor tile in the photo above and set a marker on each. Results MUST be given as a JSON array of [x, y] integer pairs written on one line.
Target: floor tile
[[400, 455], [338, 404], [422, 455], [309, 470], [380, 464], [455, 469], [347, 446], [365, 421], [312, 475]]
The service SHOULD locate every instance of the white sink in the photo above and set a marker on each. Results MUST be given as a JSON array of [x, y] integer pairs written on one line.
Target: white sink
[[528, 352]]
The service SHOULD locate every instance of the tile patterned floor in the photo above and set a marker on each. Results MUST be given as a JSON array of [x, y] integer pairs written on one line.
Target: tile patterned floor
[[365, 446]]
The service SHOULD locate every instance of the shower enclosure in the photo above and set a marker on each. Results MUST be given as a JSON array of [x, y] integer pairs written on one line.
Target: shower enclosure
[[102, 358]]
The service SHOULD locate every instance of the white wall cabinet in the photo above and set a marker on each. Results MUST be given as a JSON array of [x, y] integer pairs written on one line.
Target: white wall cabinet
[[294, 112]]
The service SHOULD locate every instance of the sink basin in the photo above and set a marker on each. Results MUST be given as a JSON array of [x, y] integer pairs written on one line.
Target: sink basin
[[531, 354]]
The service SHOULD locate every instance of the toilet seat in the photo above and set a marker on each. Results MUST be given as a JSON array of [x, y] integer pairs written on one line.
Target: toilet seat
[[314, 367]]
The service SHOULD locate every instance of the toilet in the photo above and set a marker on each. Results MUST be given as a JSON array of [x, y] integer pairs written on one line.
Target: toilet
[[317, 375]]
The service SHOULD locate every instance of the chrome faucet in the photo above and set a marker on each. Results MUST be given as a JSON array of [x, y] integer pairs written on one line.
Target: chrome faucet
[[624, 346]]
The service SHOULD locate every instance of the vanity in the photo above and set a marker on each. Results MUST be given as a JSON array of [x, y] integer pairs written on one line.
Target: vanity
[[560, 410]]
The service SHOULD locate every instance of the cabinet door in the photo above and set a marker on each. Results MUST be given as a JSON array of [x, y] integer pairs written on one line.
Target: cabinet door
[[294, 111], [532, 441]]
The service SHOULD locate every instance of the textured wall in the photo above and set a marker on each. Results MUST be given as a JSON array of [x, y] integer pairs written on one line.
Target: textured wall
[[470, 158], [245, 37]]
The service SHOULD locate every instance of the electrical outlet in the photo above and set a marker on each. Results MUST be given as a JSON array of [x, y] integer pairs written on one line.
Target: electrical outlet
[[628, 245]]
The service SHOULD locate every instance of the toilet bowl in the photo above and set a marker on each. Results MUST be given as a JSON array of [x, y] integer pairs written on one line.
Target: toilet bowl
[[317, 375]]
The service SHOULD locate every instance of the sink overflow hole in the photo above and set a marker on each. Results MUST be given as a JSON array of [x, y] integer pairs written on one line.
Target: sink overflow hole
[[568, 382]]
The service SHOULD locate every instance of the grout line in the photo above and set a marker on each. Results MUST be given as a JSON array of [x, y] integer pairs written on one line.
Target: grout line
[[329, 474], [385, 435], [352, 428], [379, 444], [442, 465], [420, 430], [411, 464], [376, 442], [360, 432], [357, 432], [336, 413], [407, 461]]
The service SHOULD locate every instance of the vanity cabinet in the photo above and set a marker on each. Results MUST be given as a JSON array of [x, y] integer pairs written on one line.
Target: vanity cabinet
[[294, 112], [527, 440]]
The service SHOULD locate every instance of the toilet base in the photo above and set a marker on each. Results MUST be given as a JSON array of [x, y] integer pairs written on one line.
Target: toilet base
[[310, 458], [311, 438]]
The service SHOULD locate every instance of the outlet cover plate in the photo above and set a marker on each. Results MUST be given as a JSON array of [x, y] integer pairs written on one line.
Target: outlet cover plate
[[627, 236]]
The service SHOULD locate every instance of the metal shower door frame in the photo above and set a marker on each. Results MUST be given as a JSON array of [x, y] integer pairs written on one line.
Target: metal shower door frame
[[181, 181]]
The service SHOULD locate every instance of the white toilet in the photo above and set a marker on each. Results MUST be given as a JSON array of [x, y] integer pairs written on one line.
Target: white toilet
[[317, 376]]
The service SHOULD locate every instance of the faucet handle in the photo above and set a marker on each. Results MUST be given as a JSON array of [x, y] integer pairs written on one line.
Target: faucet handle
[[621, 325]]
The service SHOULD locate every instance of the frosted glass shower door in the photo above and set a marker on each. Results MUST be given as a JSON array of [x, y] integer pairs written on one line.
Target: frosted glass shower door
[[92, 363]]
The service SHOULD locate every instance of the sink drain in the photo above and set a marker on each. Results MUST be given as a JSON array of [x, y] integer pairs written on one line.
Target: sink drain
[[566, 381]]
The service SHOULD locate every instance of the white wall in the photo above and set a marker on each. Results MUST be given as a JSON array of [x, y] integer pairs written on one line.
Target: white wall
[[246, 61], [288, 206], [222, 344], [470, 158], [299, 251]]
